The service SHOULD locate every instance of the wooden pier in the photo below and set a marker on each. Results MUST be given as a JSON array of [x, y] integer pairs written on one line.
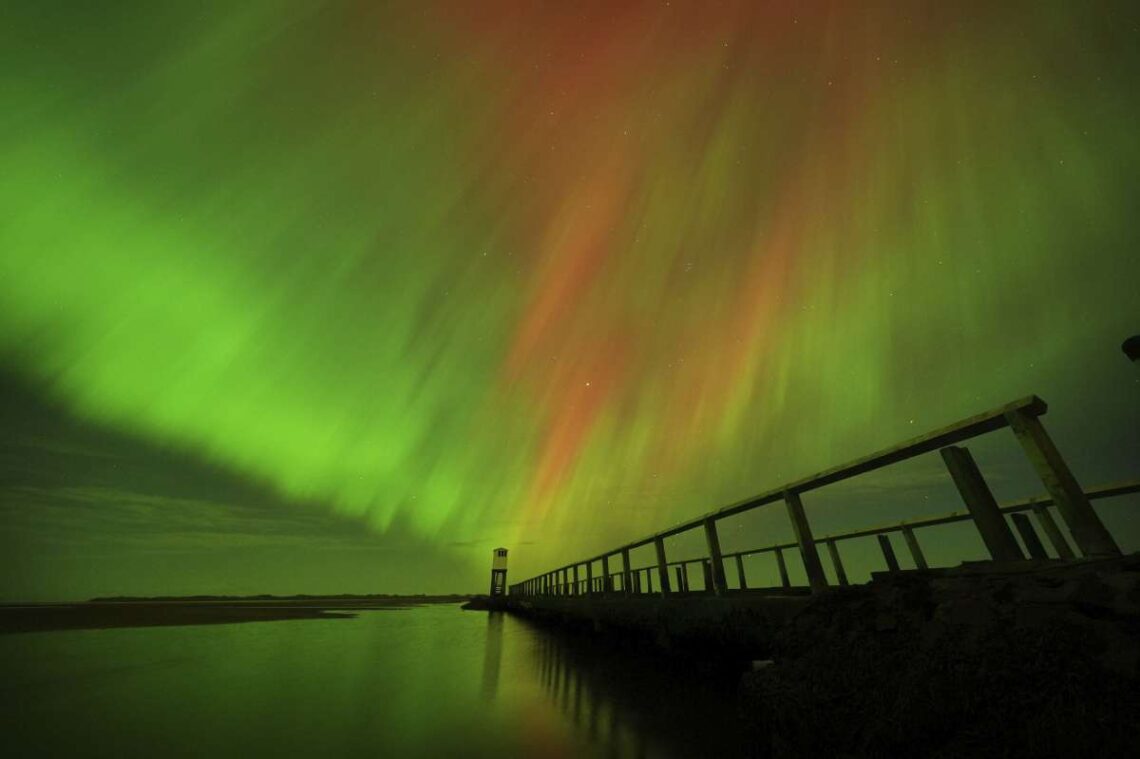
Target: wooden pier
[[608, 585]]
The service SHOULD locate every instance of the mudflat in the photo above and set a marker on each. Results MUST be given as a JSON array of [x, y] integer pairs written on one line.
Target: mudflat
[[199, 610]]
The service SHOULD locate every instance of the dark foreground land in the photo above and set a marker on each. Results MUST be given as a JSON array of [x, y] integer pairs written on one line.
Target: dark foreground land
[[101, 613], [987, 659]]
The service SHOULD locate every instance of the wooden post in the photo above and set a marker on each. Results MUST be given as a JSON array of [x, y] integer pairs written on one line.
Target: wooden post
[[816, 578], [648, 581], [626, 576], [718, 584], [783, 566], [710, 584], [888, 553], [577, 588], [740, 572], [590, 577], [915, 548], [682, 580], [1029, 536], [662, 567], [1052, 531], [980, 501], [1089, 533], [840, 573], [606, 588]]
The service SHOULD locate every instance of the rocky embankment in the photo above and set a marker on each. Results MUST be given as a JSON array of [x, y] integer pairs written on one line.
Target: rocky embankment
[[1030, 659]]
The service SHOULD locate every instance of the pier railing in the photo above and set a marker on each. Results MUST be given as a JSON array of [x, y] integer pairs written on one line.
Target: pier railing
[[1064, 495]]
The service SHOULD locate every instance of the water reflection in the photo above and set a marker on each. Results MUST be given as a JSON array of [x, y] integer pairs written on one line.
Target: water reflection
[[493, 654], [425, 682], [630, 701]]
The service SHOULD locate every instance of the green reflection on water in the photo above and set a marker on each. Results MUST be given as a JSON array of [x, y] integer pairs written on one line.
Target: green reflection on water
[[430, 681]]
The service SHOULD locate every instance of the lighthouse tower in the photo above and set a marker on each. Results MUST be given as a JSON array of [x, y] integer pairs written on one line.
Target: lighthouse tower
[[499, 572]]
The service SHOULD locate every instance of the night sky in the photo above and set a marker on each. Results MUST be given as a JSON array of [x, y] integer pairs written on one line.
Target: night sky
[[337, 297]]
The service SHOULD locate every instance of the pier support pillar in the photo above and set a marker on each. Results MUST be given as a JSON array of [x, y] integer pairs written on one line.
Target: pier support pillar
[[1052, 531], [816, 578], [915, 549], [980, 501], [662, 567], [718, 585], [1089, 533]]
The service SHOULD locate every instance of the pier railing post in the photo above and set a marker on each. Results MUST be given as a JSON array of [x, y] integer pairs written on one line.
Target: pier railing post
[[1052, 531], [740, 572], [682, 583], [719, 585], [915, 549], [662, 567], [980, 502], [577, 587], [782, 565], [626, 575], [606, 586], [1089, 533], [888, 553], [1029, 536], [590, 577], [816, 578], [837, 563]]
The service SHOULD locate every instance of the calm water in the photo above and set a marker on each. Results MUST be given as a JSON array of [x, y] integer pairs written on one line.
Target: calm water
[[431, 681]]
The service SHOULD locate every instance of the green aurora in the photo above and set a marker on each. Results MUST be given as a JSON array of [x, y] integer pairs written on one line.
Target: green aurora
[[306, 297]]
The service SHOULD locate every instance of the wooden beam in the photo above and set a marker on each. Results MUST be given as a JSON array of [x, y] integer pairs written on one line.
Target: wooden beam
[[816, 578], [712, 540], [837, 563], [915, 549], [1029, 537], [888, 553], [1089, 533], [662, 566], [783, 567], [1053, 532], [981, 504]]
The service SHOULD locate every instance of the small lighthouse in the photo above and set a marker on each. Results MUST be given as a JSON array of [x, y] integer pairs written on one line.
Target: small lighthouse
[[499, 572]]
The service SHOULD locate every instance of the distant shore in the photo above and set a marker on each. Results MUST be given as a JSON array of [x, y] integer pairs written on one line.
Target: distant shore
[[126, 611]]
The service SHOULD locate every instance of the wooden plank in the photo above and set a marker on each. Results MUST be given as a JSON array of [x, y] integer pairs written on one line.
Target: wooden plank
[[1029, 537], [816, 578], [915, 549], [1053, 532], [888, 553], [837, 563], [1089, 533], [718, 585], [783, 567], [662, 565], [981, 504]]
